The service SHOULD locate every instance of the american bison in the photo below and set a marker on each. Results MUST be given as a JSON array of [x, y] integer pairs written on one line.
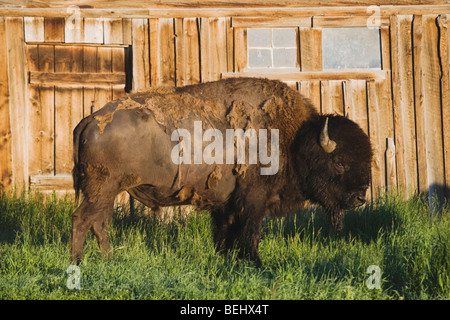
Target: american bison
[[164, 147]]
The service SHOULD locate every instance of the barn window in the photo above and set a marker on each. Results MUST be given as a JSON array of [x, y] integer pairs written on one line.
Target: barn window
[[272, 48], [351, 48]]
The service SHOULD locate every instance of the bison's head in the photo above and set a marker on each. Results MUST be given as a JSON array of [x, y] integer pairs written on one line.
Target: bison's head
[[333, 161]]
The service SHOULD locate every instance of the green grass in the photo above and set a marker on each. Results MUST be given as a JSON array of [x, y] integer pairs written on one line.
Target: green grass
[[176, 260]]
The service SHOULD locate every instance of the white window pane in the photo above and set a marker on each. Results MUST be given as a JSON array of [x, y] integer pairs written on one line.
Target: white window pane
[[259, 58], [258, 38], [283, 58], [350, 48], [284, 38], [272, 47]]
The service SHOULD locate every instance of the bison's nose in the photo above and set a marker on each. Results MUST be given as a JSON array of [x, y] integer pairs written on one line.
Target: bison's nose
[[361, 199]]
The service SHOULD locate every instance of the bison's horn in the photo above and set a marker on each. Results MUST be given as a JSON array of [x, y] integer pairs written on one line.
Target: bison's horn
[[325, 142]]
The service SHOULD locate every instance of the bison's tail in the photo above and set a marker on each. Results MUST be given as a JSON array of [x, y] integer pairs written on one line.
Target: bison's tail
[[77, 132]]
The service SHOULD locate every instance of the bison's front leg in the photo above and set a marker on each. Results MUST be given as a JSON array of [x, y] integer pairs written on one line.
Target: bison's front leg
[[248, 234], [240, 230], [245, 231]]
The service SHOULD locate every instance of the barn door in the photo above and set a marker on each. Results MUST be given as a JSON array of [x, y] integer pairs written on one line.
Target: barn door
[[66, 83]]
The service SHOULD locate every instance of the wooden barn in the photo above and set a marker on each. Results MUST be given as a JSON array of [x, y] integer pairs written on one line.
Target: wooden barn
[[384, 64]]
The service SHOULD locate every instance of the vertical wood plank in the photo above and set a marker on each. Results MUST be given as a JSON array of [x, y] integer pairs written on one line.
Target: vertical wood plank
[[356, 102], [374, 134], [292, 84], [104, 59], [331, 97], [47, 111], [17, 99], [297, 40], [113, 31], [355, 106], [54, 29], [187, 51], [385, 48], [74, 29], [167, 52], [6, 174], [310, 49], [68, 107], [325, 98], [218, 47], [213, 39], [89, 65], [348, 110], [303, 88], [444, 55], [314, 93], [118, 65], [311, 60], [432, 104], [240, 49], [126, 31], [205, 50], [407, 104], [311, 90], [141, 67], [428, 104], [419, 106], [34, 115], [154, 51], [192, 52], [34, 29], [404, 115], [103, 94], [386, 122], [230, 46], [180, 46], [146, 53], [391, 175], [93, 30]]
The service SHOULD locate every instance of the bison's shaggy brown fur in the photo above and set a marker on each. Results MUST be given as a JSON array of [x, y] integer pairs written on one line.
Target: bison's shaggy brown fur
[[130, 140]]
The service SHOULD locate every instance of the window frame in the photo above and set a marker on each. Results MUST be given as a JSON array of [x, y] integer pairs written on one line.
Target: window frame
[[309, 38]]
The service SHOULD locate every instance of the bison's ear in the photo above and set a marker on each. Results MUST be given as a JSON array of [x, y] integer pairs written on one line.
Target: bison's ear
[[326, 143]]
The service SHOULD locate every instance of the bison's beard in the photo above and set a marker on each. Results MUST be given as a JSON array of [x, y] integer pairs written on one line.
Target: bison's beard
[[336, 218], [336, 214]]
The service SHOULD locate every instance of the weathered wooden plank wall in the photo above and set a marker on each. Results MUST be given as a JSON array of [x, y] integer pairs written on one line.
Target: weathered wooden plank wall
[[52, 76], [405, 107], [18, 106], [6, 168], [444, 50]]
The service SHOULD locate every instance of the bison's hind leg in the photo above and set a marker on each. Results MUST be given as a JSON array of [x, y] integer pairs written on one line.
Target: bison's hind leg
[[80, 228], [95, 216]]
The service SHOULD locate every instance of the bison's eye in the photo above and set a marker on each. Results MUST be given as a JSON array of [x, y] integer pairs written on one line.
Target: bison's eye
[[339, 168]]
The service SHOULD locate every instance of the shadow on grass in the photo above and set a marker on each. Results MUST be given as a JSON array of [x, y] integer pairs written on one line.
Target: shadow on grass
[[364, 223], [40, 219]]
